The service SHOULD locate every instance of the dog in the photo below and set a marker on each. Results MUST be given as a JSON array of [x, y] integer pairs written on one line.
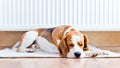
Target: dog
[[64, 40]]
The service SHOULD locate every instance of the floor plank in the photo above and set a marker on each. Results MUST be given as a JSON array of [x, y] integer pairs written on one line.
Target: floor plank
[[59, 63]]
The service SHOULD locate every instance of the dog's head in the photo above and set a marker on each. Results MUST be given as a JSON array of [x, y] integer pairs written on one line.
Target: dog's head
[[73, 45]]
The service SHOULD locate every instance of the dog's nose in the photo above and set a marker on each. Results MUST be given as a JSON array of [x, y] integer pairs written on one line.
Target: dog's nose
[[77, 54]]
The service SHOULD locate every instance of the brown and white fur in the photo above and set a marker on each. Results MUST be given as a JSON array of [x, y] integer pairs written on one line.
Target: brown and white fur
[[65, 40]]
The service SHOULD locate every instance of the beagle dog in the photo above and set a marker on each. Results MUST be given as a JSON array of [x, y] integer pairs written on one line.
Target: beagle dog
[[65, 40]]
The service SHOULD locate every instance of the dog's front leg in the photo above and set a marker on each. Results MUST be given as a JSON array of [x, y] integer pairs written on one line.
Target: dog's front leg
[[94, 53]]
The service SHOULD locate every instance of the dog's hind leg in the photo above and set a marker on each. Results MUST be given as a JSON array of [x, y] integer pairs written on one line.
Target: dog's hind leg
[[27, 40], [16, 46]]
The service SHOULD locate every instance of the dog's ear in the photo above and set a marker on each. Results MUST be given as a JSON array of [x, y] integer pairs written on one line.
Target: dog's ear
[[85, 48], [63, 48]]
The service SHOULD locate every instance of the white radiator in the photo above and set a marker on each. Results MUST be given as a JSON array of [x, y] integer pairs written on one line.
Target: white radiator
[[86, 15]]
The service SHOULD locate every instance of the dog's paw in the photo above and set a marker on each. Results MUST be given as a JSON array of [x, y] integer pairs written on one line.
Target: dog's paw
[[91, 53], [18, 50], [94, 54], [30, 50]]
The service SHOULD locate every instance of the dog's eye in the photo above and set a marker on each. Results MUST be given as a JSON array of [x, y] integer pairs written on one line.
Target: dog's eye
[[80, 44], [71, 45]]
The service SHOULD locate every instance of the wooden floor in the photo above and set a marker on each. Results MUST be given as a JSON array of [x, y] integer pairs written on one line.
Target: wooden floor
[[59, 63]]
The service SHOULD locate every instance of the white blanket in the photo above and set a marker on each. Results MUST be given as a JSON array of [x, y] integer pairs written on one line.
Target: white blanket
[[7, 52]]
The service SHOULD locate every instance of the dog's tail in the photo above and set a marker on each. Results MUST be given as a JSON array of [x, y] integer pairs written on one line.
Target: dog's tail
[[17, 45]]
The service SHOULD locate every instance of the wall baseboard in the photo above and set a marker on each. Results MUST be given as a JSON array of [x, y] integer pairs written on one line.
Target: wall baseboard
[[97, 38]]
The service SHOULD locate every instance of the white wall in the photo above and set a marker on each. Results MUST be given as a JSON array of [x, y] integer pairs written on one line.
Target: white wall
[[83, 14]]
